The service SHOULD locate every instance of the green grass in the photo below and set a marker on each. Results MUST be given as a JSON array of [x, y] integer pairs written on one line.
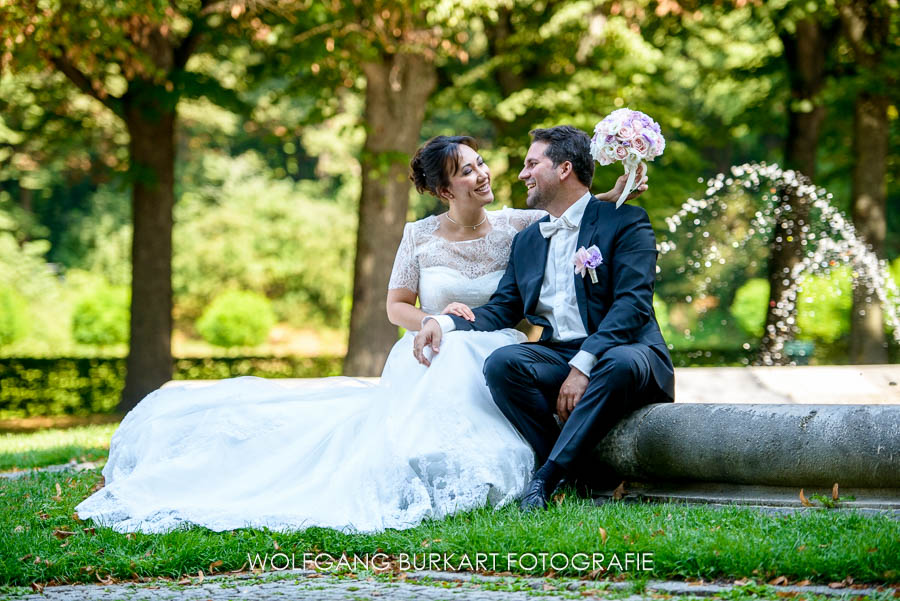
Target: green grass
[[687, 541], [51, 447], [694, 542]]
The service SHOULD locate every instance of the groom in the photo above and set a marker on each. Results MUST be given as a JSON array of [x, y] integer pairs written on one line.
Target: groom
[[601, 354]]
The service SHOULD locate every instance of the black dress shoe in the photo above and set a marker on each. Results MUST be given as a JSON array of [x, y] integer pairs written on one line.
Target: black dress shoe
[[536, 496]]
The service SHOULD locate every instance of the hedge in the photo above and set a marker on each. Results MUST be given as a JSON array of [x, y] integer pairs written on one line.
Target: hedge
[[88, 385], [84, 386]]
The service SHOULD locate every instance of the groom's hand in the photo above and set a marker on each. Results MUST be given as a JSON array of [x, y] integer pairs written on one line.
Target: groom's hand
[[570, 393], [429, 335]]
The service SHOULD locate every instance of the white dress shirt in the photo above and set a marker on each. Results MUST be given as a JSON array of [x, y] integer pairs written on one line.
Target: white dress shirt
[[557, 302]]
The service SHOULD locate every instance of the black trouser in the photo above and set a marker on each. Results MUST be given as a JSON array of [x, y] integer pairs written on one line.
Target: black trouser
[[525, 379]]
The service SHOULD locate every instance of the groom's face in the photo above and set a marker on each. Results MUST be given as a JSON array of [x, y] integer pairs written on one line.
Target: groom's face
[[539, 176]]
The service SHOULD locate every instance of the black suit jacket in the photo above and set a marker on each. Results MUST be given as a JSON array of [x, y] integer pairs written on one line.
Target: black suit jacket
[[617, 310]]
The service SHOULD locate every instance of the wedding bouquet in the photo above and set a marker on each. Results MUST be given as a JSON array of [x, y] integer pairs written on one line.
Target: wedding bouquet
[[628, 136]]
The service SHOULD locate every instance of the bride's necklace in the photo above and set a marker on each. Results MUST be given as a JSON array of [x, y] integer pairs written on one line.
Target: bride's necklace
[[474, 227]]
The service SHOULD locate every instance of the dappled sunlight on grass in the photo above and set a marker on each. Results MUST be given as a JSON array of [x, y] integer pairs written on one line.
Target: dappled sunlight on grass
[[54, 446]]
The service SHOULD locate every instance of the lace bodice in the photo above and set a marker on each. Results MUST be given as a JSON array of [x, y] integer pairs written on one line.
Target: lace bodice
[[442, 271]]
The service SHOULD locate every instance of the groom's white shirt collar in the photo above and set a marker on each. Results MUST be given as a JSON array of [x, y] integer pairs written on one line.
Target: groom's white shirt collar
[[576, 211]]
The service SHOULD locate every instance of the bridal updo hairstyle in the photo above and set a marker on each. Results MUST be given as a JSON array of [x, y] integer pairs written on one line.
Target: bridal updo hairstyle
[[435, 161]]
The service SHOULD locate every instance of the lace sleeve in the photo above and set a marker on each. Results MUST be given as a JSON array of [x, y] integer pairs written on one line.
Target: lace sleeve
[[406, 267], [519, 219]]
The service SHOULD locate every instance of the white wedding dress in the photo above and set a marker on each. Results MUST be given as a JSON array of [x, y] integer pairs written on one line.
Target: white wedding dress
[[250, 452]]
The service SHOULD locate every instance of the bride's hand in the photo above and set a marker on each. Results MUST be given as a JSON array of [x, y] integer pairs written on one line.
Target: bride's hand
[[459, 309], [640, 188]]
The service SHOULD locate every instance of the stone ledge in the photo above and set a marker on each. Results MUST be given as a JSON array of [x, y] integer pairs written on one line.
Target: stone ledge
[[779, 445]]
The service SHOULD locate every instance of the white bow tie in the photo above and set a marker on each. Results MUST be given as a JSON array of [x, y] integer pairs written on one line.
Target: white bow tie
[[548, 228]]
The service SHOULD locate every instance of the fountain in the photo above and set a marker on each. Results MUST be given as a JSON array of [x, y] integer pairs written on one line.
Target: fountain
[[828, 241]]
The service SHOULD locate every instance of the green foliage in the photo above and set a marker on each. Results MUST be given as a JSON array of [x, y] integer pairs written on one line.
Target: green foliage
[[662, 312], [823, 306], [101, 318], [749, 306], [13, 316], [290, 241], [85, 386], [237, 318]]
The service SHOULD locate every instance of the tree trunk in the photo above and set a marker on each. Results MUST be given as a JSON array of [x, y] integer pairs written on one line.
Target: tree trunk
[[870, 150], [152, 154], [397, 90], [867, 27], [805, 53]]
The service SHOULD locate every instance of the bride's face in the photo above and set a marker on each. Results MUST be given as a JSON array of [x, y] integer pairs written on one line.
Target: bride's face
[[470, 183]]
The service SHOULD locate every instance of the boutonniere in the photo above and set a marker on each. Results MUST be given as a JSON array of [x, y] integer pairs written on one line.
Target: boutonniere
[[587, 260]]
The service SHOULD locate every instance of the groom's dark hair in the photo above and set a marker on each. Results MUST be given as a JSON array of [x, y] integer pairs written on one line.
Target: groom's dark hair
[[567, 143]]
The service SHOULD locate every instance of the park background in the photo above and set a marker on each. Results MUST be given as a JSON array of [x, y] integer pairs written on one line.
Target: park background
[[220, 187]]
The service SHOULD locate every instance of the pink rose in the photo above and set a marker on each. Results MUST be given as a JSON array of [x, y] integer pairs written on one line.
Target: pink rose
[[640, 146], [621, 152], [626, 132]]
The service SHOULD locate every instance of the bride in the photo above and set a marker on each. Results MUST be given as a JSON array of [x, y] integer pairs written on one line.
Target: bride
[[425, 442]]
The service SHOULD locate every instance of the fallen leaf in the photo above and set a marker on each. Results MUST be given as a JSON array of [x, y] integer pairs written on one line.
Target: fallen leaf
[[558, 499], [214, 565], [803, 500], [107, 580], [603, 535], [804, 583], [801, 548], [75, 517], [199, 576], [240, 569], [58, 496], [741, 582], [781, 580], [60, 534], [275, 542], [44, 516], [37, 587], [37, 560], [619, 492], [836, 585], [834, 492], [18, 529], [184, 580], [129, 536], [91, 531], [25, 557]]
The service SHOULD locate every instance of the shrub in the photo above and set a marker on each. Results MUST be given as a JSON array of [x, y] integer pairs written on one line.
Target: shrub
[[101, 318], [823, 306], [749, 306], [236, 318], [13, 316]]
